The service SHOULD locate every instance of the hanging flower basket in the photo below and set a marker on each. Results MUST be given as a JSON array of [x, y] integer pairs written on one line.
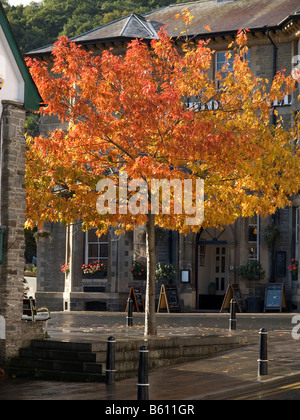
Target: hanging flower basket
[[41, 234], [271, 235], [293, 269], [139, 269]]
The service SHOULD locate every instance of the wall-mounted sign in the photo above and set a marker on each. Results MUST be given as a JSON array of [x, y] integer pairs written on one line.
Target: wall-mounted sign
[[16, 84], [185, 276], [14, 87]]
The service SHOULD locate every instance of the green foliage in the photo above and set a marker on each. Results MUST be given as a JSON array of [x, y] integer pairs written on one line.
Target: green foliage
[[271, 235], [41, 23], [164, 272], [32, 124], [252, 271], [30, 244]]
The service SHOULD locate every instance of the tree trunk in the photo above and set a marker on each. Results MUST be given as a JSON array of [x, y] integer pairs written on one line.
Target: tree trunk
[[150, 319]]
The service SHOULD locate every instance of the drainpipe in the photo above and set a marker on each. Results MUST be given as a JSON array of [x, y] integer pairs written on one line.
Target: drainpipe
[[196, 269], [275, 49]]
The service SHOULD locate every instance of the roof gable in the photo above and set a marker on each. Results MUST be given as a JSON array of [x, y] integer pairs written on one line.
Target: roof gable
[[16, 83], [132, 26], [138, 27]]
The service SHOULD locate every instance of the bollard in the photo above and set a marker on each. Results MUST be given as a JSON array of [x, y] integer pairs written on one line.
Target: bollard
[[143, 385], [129, 318], [110, 361], [263, 352], [232, 320]]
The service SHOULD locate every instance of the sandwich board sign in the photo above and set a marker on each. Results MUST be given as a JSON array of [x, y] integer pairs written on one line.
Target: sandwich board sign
[[275, 297], [168, 298], [233, 292], [137, 297]]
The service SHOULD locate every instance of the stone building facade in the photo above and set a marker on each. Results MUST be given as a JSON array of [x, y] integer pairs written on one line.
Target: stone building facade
[[17, 95], [213, 256]]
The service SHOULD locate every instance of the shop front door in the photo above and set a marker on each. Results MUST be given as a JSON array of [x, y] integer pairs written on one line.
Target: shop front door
[[220, 269]]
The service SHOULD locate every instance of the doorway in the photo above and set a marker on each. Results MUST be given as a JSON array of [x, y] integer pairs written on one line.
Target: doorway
[[220, 269], [213, 274]]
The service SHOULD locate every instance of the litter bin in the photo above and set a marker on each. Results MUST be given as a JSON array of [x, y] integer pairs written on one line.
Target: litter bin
[[254, 304]]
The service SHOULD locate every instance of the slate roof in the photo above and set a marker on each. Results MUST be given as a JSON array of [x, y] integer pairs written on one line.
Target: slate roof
[[230, 16], [222, 17]]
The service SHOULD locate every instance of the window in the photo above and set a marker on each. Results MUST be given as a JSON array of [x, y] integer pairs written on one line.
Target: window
[[202, 255], [221, 60], [220, 269], [96, 248], [253, 238]]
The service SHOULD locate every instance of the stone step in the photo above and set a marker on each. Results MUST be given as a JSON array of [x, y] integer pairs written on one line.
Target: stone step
[[56, 360], [61, 345], [59, 365], [44, 353], [87, 361], [51, 375]]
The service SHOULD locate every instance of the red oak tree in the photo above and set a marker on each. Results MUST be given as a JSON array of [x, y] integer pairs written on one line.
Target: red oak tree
[[128, 114]]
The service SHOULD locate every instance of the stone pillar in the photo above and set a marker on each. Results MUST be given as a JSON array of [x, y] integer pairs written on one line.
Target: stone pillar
[[51, 254], [12, 218], [187, 292]]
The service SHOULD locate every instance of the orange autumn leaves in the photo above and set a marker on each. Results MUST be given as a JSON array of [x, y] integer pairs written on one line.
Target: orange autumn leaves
[[129, 113]]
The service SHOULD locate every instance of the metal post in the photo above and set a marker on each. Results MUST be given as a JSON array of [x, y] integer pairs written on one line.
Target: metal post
[[129, 318], [110, 361], [232, 320], [143, 385], [263, 352]]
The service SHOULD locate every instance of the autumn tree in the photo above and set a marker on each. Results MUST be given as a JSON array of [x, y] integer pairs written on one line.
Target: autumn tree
[[148, 115]]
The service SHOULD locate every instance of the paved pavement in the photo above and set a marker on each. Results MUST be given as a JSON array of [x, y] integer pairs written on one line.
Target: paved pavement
[[223, 376]]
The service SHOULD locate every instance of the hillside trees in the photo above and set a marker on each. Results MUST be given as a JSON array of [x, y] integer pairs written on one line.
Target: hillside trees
[[42, 22], [126, 123]]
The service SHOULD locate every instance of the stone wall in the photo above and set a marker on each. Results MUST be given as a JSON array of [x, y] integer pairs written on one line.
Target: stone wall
[[12, 218]]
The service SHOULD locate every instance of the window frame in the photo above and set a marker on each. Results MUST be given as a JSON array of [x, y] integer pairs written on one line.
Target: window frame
[[99, 243]]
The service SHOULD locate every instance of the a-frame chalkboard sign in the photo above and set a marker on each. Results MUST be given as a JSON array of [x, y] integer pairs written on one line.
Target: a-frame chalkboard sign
[[275, 297], [233, 292], [168, 298], [138, 302]]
